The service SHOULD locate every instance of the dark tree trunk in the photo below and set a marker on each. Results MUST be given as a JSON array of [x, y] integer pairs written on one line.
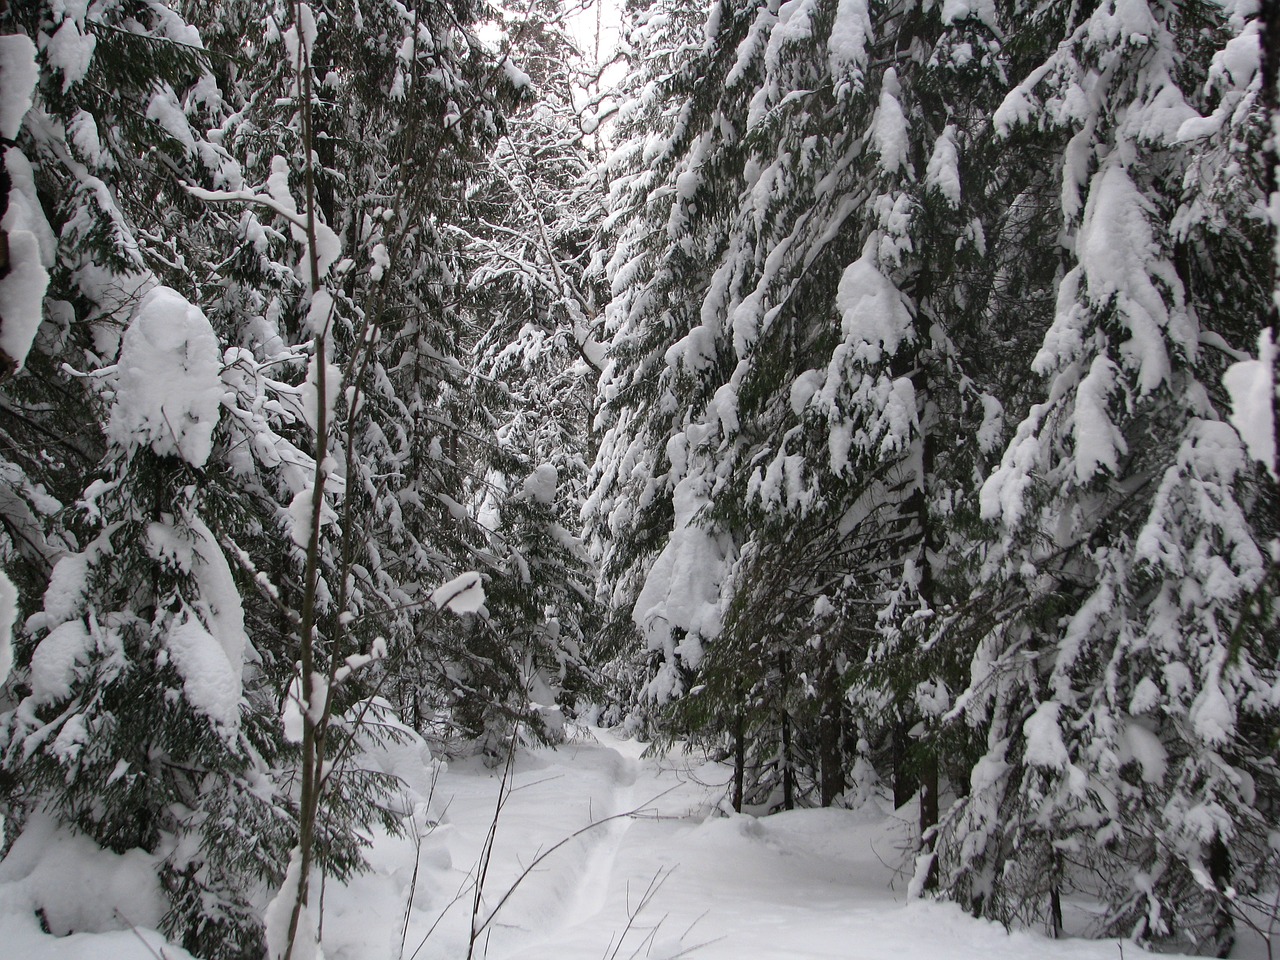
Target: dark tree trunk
[[1224, 926], [831, 770], [1055, 912], [904, 781], [739, 757], [788, 767], [928, 809], [1270, 38]]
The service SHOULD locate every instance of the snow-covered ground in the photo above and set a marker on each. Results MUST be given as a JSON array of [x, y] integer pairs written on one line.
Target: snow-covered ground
[[675, 879]]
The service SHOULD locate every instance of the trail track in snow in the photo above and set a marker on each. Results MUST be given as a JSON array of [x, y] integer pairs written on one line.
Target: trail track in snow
[[803, 885]]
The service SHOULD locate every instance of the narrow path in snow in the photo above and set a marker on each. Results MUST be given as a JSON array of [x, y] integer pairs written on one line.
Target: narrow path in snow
[[593, 885], [802, 885]]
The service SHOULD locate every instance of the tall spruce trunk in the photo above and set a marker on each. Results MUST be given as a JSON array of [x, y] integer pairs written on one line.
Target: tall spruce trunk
[[739, 756], [831, 770], [788, 766]]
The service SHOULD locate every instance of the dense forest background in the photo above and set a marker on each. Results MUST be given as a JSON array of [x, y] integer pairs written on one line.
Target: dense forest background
[[875, 393]]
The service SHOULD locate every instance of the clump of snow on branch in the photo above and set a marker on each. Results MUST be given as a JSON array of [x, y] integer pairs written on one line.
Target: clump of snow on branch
[[889, 128], [1253, 391], [29, 238], [463, 594], [540, 486], [873, 315], [18, 74], [682, 590], [850, 33], [169, 388], [55, 662], [8, 615], [71, 48], [1044, 740], [208, 644], [301, 510], [209, 682]]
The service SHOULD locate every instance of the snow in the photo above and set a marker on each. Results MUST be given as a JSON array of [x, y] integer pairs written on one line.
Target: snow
[[943, 171], [1212, 714], [218, 600], [78, 886], [31, 249], [169, 382], [21, 295], [517, 77], [54, 662], [1119, 258], [68, 585], [850, 34], [18, 76], [682, 590], [873, 313], [1098, 442], [83, 134], [300, 510], [210, 682], [310, 393], [540, 486], [889, 127], [165, 110], [1141, 745], [463, 594], [25, 211], [8, 617], [70, 50], [984, 10], [1252, 390], [1044, 740], [280, 914], [664, 870], [381, 260]]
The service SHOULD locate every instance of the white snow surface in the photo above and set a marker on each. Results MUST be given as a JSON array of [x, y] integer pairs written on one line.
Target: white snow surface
[[889, 128], [850, 33], [18, 75], [1253, 395], [210, 682], [804, 885], [70, 50], [1044, 740], [169, 388], [873, 314], [31, 249], [55, 660], [540, 486], [463, 594], [8, 616], [683, 589], [81, 888]]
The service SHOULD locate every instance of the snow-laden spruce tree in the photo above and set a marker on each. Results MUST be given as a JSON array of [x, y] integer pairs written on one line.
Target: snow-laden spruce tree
[[1126, 678], [367, 120], [197, 417], [800, 285], [136, 718], [533, 283]]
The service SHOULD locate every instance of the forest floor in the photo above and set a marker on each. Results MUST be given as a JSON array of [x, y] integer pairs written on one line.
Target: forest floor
[[675, 878]]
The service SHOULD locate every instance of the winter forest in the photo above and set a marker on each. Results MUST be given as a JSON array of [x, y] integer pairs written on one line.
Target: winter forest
[[507, 478]]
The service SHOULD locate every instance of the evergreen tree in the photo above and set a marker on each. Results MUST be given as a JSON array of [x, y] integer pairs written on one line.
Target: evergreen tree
[[1123, 683], [801, 345], [137, 719], [533, 299]]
